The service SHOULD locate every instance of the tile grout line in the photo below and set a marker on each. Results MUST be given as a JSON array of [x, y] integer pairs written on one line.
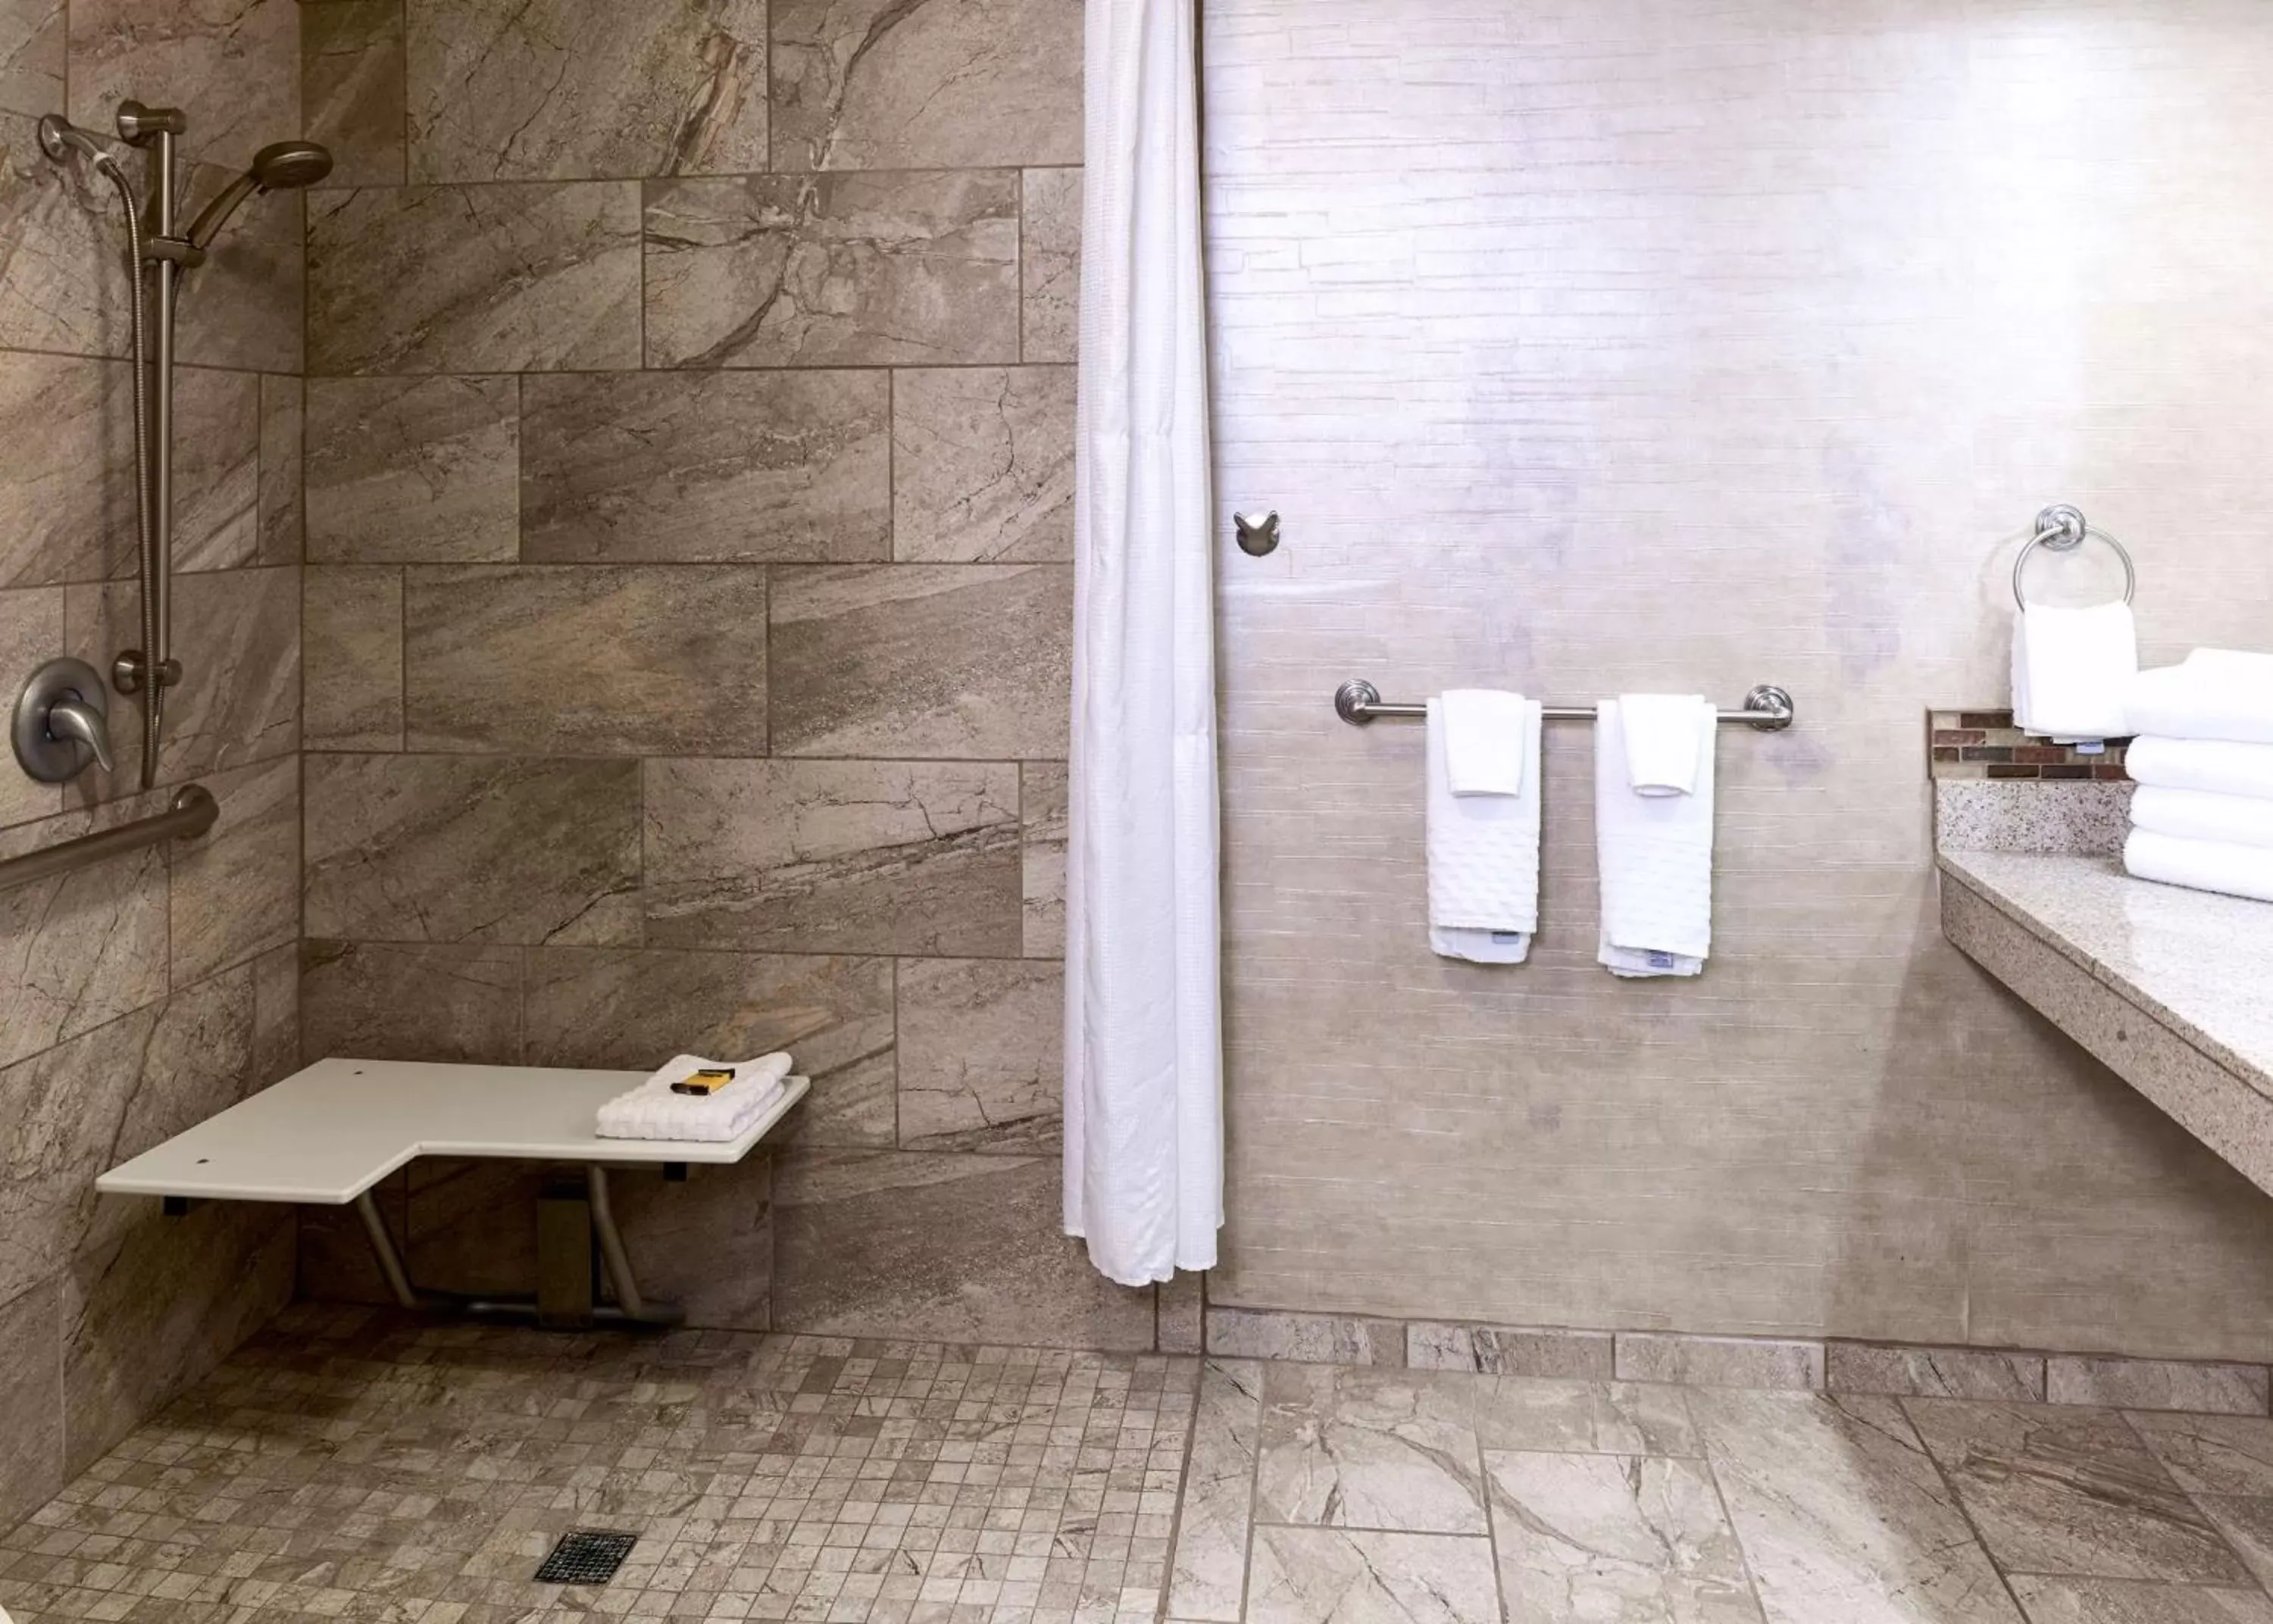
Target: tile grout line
[[2216, 1529], [1475, 1380], [1704, 1456], [1957, 1500]]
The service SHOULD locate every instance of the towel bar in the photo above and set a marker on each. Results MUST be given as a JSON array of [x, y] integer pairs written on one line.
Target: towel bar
[[1768, 708]]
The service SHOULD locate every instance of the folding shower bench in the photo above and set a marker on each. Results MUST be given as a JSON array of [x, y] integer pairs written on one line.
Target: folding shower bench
[[328, 1134]]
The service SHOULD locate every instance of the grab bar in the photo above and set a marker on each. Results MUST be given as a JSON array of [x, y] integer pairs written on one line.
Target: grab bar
[[192, 814], [1768, 707]]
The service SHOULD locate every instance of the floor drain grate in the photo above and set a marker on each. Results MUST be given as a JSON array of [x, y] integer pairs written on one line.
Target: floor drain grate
[[586, 1556]]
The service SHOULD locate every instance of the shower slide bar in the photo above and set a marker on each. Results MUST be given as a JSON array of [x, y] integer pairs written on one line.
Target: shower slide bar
[[1767, 709], [192, 814]]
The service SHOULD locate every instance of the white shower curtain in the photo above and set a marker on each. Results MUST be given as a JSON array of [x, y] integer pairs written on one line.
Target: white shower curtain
[[1144, 1063]]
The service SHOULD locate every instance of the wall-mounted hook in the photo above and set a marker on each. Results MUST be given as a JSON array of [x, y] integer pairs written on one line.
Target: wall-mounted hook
[[1257, 536]]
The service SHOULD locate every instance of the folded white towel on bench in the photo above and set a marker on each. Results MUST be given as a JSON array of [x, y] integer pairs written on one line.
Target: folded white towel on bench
[[652, 1111]]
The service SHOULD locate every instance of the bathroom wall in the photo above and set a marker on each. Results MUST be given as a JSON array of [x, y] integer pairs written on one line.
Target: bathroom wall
[[141, 995], [1638, 345], [689, 478]]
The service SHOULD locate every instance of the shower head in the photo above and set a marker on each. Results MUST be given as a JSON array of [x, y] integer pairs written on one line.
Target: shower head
[[60, 140], [286, 165], [281, 166]]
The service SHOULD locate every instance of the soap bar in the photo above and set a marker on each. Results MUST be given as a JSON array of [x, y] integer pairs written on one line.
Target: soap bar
[[707, 1081]]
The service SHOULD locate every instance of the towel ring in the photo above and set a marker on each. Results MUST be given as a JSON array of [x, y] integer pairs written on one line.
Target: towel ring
[[2062, 528]]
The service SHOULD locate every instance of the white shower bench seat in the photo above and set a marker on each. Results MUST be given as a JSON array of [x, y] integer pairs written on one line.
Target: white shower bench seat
[[328, 1134]]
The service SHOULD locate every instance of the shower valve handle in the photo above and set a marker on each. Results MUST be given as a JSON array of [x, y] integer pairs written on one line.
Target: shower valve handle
[[72, 720]]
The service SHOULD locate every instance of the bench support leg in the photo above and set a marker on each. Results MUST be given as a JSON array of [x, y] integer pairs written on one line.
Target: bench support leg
[[382, 1245], [634, 1306]]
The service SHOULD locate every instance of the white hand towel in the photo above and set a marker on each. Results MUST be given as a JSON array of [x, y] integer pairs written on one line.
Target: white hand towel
[[2072, 670], [2201, 864], [1663, 746], [2241, 663], [2220, 699], [1655, 854], [2201, 814], [652, 1111], [2214, 764], [1483, 854], [1483, 740]]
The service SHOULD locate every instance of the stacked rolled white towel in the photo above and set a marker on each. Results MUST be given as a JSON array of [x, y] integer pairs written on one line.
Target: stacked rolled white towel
[[652, 1111], [2202, 815]]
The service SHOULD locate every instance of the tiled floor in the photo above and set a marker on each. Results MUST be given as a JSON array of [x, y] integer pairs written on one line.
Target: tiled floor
[[1347, 1495], [353, 1466]]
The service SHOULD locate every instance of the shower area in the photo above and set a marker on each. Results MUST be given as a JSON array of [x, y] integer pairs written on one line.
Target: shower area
[[562, 552]]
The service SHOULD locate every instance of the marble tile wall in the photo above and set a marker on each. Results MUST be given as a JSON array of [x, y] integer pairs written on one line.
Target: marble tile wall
[[1586, 347], [142, 995], [689, 462]]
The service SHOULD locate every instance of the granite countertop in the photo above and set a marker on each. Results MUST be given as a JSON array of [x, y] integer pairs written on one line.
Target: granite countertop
[[2201, 963]]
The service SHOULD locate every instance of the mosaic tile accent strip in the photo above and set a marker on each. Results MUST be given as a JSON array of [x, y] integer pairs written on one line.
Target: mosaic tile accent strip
[[1985, 743]]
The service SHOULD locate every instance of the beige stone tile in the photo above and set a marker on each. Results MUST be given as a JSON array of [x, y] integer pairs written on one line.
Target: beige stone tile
[[1042, 819], [233, 71], [832, 857], [63, 285], [706, 467], [453, 849], [2246, 1522], [235, 893], [30, 1396], [410, 1001], [1319, 1575], [1842, 1513], [633, 1008], [969, 662], [904, 1243], [981, 1054], [1719, 1361], [1184, 1312], [982, 465], [31, 634], [237, 633], [79, 950], [585, 660], [2129, 1601], [1350, 1446], [216, 469], [351, 88], [575, 89], [1049, 248], [275, 1015], [486, 279], [1209, 1577], [2157, 1384], [904, 269], [32, 45], [1614, 1537], [2066, 1489], [868, 86], [67, 504], [1933, 1373], [420, 470], [159, 1308], [2211, 1454], [1583, 1418], [1496, 1350], [351, 658], [283, 437], [1308, 1338], [62, 1108]]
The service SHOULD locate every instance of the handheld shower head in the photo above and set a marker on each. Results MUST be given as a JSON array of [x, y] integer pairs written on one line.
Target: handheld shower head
[[281, 166], [62, 141], [286, 165]]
